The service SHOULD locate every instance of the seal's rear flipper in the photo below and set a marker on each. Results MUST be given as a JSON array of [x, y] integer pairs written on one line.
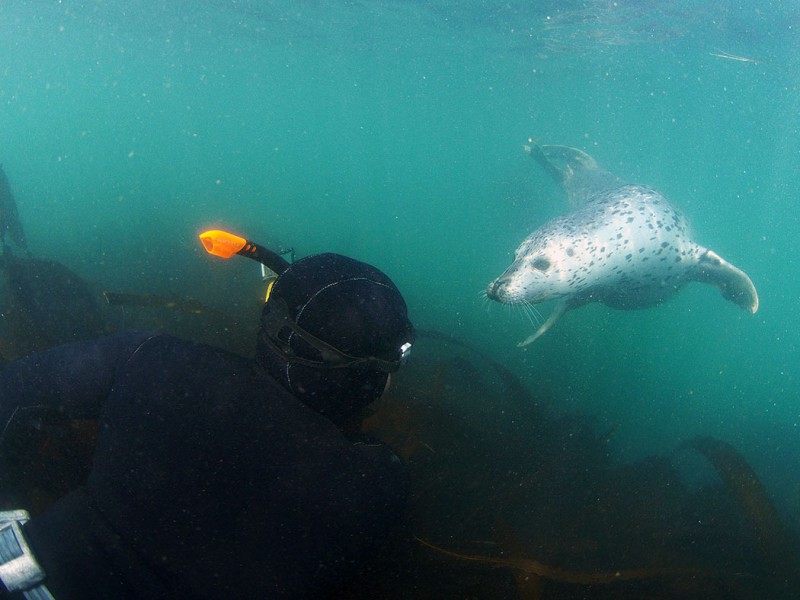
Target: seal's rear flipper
[[734, 284], [559, 173], [562, 307], [576, 172]]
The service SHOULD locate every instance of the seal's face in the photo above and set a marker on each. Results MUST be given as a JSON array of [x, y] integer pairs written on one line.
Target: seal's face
[[543, 269]]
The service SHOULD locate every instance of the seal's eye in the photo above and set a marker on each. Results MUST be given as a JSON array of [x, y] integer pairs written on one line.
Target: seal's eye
[[541, 263]]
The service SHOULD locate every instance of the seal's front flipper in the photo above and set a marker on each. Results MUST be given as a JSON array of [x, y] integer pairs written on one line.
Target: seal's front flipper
[[734, 284], [562, 307]]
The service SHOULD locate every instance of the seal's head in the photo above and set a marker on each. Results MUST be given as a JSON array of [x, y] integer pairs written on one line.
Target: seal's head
[[544, 268]]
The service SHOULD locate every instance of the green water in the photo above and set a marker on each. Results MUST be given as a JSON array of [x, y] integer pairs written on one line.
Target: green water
[[393, 132]]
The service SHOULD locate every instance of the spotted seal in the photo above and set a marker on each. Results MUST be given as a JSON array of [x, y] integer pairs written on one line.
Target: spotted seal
[[623, 245]]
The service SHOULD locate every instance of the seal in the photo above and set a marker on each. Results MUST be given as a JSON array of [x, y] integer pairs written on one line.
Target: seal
[[623, 245]]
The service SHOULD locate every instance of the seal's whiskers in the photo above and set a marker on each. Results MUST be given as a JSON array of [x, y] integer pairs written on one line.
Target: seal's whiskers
[[534, 316]]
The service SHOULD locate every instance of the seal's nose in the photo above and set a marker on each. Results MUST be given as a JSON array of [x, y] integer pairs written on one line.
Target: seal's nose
[[495, 288]]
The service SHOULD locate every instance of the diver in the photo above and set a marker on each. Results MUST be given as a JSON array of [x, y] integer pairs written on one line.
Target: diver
[[216, 476]]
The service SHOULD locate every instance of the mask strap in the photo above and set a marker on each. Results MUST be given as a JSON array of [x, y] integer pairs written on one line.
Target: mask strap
[[278, 318]]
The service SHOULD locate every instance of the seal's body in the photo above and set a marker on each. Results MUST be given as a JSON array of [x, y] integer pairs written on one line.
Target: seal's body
[[624, 245]]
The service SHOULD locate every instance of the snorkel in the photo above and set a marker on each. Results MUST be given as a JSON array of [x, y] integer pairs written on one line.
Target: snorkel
[[224, 245]]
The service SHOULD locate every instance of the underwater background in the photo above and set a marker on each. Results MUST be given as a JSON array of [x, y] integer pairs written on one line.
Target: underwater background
[[393, 132]]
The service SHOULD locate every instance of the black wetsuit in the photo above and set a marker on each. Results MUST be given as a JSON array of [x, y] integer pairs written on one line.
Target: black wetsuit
[[209, 479]]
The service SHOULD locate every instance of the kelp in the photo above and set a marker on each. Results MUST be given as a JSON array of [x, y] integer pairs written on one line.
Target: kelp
[[534, 567], [563, 520], [183, 317], [516, 392], [181, 304], [771, 536]]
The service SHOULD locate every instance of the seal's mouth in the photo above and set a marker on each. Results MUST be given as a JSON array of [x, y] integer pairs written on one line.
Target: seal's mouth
[[504, 290]]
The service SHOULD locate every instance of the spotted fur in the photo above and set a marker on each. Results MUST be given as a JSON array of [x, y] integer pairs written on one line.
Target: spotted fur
[[625, 246]]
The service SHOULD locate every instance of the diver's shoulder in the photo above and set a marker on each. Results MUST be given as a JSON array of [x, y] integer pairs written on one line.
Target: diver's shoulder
[[159, 341]]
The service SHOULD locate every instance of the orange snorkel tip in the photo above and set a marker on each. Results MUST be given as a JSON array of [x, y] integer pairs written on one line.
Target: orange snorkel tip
[[221, 243]]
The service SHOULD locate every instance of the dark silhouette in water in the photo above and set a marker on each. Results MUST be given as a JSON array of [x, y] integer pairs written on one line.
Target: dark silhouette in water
[[9, 218], [43, 304]]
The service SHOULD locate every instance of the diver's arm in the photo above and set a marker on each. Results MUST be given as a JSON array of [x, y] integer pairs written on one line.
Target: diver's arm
[[74, 378]]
